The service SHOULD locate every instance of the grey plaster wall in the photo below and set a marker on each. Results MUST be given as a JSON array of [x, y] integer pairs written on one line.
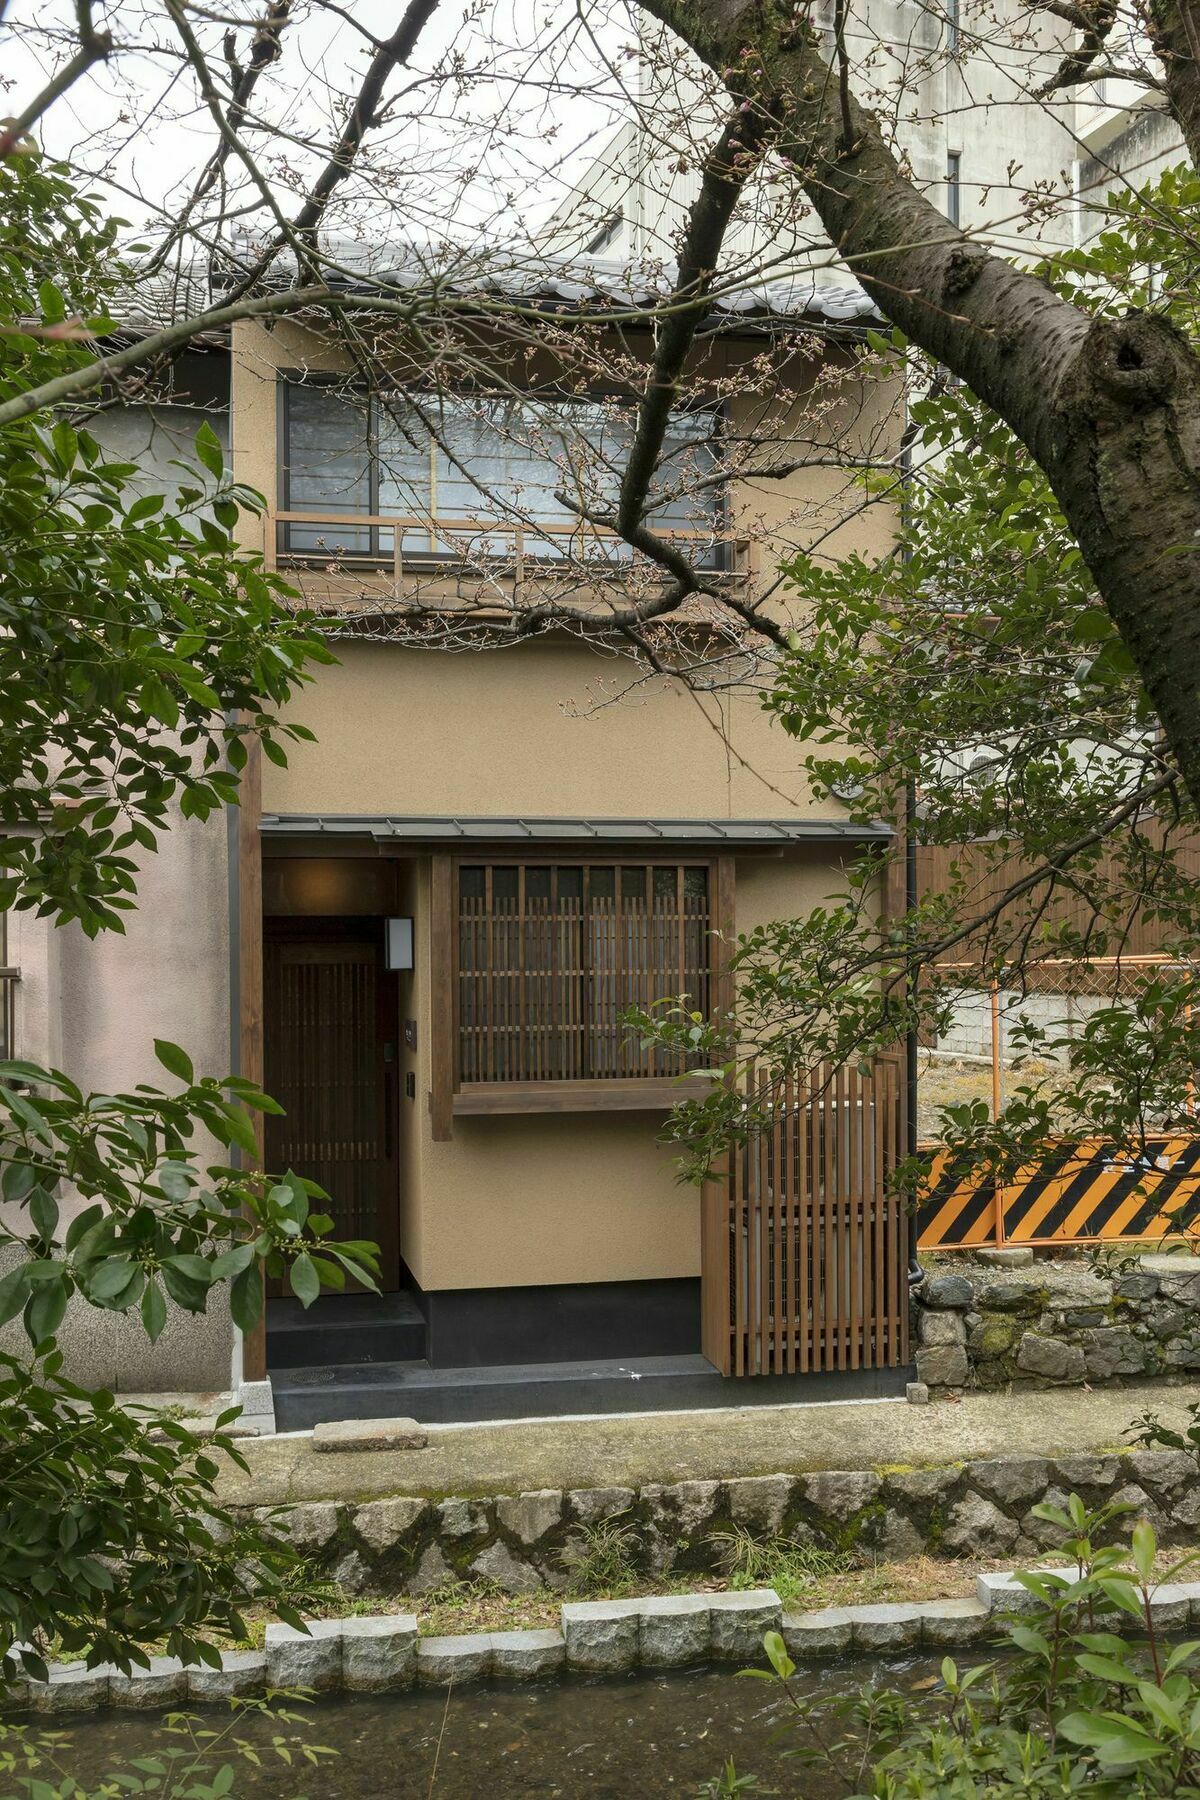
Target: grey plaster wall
[[94, 1008]]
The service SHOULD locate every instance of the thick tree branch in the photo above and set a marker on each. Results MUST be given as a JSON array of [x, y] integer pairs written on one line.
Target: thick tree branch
[[738, 152], [1075, 66], [391, 54]]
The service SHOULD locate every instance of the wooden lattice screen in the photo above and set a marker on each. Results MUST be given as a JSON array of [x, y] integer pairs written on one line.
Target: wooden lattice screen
[[805, 1250], [550, 957]]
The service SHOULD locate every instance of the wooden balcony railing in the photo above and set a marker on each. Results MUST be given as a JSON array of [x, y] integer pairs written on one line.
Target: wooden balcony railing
[[502, 550]]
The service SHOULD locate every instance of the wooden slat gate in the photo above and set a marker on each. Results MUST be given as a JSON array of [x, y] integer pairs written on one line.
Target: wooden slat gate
[[804, 1248]]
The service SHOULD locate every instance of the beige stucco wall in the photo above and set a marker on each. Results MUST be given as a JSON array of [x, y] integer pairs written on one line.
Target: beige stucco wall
[[417, 731], [94, 1007]]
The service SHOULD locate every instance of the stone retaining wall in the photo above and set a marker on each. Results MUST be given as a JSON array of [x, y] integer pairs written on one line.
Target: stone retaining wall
[[1055, 1325], [602, 1637], [531, 1541]]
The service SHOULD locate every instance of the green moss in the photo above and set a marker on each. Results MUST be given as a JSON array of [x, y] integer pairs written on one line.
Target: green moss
[[995, 1336], [844, 1536]]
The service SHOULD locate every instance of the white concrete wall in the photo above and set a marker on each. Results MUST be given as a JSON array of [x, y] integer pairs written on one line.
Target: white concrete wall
[[975, 104]]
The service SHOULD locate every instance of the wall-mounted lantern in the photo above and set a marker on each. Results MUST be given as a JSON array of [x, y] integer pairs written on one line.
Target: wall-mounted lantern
[[398, 944]]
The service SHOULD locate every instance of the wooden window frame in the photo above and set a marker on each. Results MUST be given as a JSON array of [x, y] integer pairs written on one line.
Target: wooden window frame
[[449, 1098], [376, 523]]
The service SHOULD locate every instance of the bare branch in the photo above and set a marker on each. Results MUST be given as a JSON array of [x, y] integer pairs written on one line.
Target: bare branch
[[94, 47]]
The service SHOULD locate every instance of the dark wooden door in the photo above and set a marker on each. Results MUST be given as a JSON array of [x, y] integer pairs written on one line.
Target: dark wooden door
[[330, 1061]]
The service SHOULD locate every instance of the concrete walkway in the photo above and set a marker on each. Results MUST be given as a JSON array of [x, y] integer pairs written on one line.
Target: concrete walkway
[[670, 1447]]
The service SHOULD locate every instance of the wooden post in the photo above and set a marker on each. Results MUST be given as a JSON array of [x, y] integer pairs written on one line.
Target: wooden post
[[443, 1010], [996, 1100], [250, 993]]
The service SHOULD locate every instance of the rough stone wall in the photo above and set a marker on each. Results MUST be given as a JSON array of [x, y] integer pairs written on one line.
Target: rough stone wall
[[1058, 1325], [531, 1541]]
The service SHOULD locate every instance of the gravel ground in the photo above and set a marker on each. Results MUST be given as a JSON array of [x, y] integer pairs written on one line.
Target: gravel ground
[[943, 1082]]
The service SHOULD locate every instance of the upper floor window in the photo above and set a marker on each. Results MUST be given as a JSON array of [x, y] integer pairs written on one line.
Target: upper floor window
[[464, 475]]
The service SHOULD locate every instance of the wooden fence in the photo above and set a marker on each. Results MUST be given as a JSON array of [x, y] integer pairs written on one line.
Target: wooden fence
[[805, 1251], [989, 877]]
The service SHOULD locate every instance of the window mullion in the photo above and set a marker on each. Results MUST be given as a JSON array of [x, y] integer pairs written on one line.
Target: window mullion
[[376, 539]]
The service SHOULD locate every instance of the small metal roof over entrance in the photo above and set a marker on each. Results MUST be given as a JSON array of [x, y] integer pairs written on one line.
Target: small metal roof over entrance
[[746, 834]]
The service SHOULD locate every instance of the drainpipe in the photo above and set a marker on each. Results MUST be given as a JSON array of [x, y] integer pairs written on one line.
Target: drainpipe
[[233, 908], [916, 1273]]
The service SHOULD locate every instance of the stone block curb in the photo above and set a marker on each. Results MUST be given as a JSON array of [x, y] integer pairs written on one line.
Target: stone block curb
[[242, 1675], [311, 1659], [383, 1653], [442, 1660], [526, 1655], [953, 1624], [890, 1626], [369, 1434], [601, 1635], [740, 1621], [817, 1634], [675, 1630], [71, 1688], [164, 1684], [379, 1653]]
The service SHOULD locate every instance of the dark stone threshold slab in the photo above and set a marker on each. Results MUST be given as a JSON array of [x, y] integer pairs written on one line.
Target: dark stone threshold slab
[[310, 1396]]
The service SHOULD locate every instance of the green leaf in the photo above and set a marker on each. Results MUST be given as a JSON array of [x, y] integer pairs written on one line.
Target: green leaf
[[44, 1312], [1114, 1740], [110, 1279], [246, 1298], [208, 450], [154, 1310], [186, 1289], [1108, 1670], [177, 1061], [14, 1292], [1160, 1705], [176, 1179], [231, 1262], [19, 1178], [778, 1657], [237, 1129], [304, 1280], [43, 1211]]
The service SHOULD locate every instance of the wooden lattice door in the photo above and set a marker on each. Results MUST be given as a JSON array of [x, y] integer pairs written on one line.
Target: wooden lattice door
[[330, 1063]]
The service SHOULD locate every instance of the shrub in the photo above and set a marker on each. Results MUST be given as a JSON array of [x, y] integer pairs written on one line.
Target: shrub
[[1076, 1708]]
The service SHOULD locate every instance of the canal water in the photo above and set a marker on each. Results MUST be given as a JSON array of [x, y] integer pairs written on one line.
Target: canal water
[[628, 1738]]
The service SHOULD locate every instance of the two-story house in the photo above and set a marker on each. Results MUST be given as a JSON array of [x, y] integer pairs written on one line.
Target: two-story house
[[449, 900]]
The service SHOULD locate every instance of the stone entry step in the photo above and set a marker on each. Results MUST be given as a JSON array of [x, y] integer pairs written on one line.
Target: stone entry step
[[306, 1396], [344, 1328]]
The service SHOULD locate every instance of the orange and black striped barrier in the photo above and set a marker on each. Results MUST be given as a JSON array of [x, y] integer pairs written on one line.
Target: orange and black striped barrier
[[1079, 1192]]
